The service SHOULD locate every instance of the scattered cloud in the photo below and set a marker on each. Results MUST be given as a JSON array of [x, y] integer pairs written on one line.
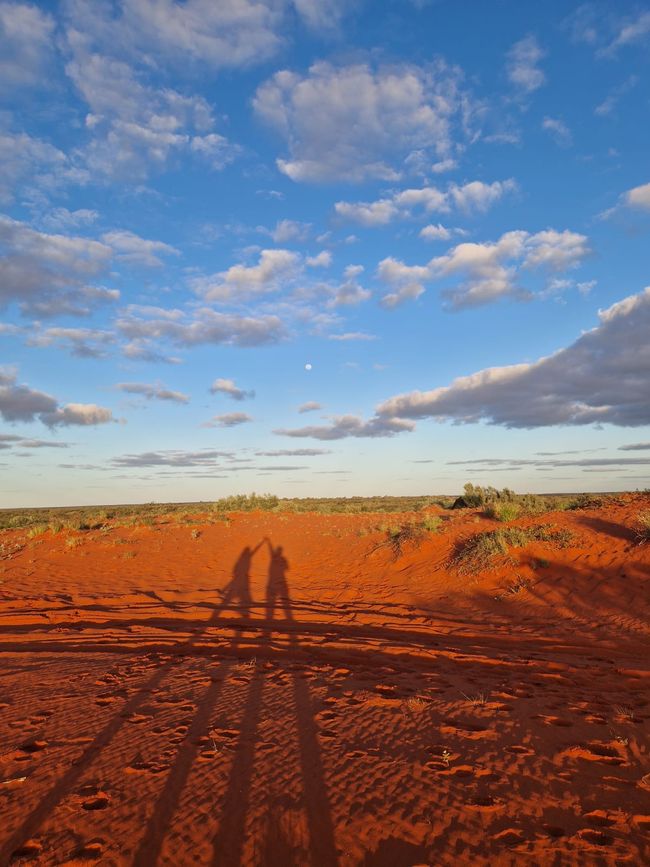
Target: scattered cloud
[[472, 197], [352, 335], [202, 326], [439, 233], [134, 250], [522, 65], [634, 447], [81, 342], [357, 122], [19, 402], [26, 37], [297, 453], [600, 378], [273, 270], [320, 260], [227, 386], [609, 104], [345, 426], [152, 392], [171, 458], [310, 406], [49, 275], [559, 131], [285, 231], [228, 419], [638, 197], [632, 31], [489, 270]]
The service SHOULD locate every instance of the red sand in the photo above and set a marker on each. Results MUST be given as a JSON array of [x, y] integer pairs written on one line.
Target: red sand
[[341, 707]]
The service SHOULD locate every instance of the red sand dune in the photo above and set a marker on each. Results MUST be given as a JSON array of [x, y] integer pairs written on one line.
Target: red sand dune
[[327, 704]]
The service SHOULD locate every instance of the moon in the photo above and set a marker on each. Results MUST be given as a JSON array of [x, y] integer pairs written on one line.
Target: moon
[[308, 367]]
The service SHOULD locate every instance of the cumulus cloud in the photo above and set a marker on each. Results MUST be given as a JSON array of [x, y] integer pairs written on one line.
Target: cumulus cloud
[[200, 327], [638, 197], [601, 378], [522, 65], [273, 270], [152, 392], [25, 44], [19, 402], [228, 419], [558, 130], [310, 406], [351, 426], [60, 219], [488, 271], [48, 275], [287, 230], [356, 122], [472, 197], [135, 128], [227, 386], [82, 342], [29, 161], [439, 232], [133, 249], [320, 260], [349, 292]]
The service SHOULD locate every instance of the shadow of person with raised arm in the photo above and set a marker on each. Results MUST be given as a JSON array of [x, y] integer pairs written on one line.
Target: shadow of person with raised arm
[[238, 589], [277, 588]]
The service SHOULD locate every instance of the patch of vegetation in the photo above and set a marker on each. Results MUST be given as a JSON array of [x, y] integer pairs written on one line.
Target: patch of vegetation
[[503, 512], [643, 527], [247, 503], [479, 552], [431, 523]]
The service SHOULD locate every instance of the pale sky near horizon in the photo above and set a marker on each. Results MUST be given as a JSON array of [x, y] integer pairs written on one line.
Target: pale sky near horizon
[[322, 248]]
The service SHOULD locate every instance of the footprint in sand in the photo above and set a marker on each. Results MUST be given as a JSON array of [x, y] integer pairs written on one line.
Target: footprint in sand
[[100, 801], [29, 849], [598, 838]]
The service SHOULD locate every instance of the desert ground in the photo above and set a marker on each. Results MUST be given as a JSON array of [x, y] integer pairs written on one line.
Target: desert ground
[[271, 687]]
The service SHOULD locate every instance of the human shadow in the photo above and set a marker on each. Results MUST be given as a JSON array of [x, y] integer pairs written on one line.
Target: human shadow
[[236, 592], [228, 844]]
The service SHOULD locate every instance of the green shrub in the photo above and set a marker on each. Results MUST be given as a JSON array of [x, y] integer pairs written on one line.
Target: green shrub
[[479, 552], [502, 511], [643, 527]]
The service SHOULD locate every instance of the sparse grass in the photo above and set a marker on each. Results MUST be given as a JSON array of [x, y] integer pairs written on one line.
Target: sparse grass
[[128, 555], [643, 527], [400, 535], [195, 534], [37, 530], [73, 542], [415, 704], [479, 552], [503, 512], [431, 523], [476, 700]]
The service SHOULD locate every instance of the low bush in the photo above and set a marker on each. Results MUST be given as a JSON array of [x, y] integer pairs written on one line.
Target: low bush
[[502, 511], [643, 527], [479, 552]]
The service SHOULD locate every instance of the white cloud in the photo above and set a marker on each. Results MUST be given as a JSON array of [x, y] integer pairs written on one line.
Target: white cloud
[[489, 269], [352, 335], [287, 230], [28, 161], [19, 402], [228, 419], [274, 269], [351, 426], [152, 392], [522, 65], [439, 232], [601, 378], [135, 250], [638, 197], [558, 130], [135, 128], [635, 30], [310, 406], [25, 44], [227, 386], [48, 274], [81, 342], [472, 197], [349, 292], [320, 260], [61, 218], [355, 122], [202, 327]]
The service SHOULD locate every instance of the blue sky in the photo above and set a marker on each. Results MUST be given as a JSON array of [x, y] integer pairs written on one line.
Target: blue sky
[[318, 247]]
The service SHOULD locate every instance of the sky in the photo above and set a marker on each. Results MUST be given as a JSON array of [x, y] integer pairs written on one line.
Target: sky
[[322, 248]]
